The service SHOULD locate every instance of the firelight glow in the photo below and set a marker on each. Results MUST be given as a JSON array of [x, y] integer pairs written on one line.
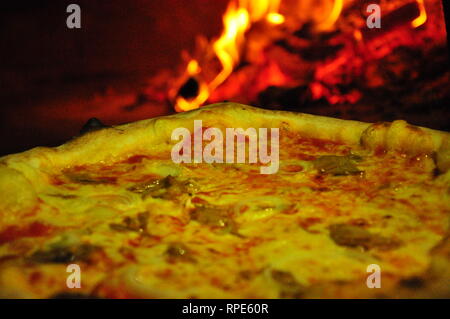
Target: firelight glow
[[275, 18], [422, 18], [334, 15], [225, 52], [238, 18]]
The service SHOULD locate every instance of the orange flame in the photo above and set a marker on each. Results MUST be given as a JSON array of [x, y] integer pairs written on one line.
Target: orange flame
[[422, 18], [238, 17], [181, 104], [334, 15], [236, 22]]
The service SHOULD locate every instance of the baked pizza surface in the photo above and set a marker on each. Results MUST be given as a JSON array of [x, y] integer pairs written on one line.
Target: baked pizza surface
[[347, 195]]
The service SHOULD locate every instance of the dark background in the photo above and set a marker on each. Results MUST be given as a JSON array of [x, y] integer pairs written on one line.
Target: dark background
[[118, 38], [52, 79], [49, 72]]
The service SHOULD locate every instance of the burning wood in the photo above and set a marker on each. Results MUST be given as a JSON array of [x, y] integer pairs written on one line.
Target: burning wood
[[323, 52], [227, 49]]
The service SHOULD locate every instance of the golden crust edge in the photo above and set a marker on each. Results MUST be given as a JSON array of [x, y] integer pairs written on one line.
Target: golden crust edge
[[117, 142]]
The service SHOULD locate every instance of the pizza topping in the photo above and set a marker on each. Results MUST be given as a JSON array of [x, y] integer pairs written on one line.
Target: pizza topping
[[135, 159], [289, 286], [136, 224], [260, 207], [248, 274], [147, 187], [337, 165], [63, 196], [214, 216], [414, 282], [35, 229], [84, 178], [60, 253], [354, 236], [167, 188], [179, 252]]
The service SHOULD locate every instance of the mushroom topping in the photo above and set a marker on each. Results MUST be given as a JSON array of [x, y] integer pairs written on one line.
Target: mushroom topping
[[337, 165], [354, 236]]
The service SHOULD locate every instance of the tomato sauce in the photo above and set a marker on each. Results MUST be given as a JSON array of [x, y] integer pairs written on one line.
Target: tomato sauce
[[35, 229]]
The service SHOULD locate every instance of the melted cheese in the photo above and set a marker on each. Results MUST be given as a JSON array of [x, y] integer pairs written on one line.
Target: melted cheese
[[255, 224]]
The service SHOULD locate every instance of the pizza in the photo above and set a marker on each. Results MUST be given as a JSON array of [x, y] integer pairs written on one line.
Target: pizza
[[349, 210]]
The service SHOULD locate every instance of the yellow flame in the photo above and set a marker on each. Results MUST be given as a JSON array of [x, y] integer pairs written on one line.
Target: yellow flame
[[237, 19], [236, 22], [275, 18], [193, 67], [259, 9], [334, 15], [422, 18], [181, 104]]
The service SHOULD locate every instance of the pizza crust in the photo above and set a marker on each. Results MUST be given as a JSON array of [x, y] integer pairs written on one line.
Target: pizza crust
[[110, 144], [18, 196]]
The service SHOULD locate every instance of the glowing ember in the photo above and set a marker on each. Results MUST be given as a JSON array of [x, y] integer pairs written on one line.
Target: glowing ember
[[264, 45], [237, 20]]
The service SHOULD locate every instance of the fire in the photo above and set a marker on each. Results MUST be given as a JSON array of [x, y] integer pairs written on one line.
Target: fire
[[238, 18], [236, 22], [275, 18], [203, 93], [205, 75], [422, 18], [334, 15]]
